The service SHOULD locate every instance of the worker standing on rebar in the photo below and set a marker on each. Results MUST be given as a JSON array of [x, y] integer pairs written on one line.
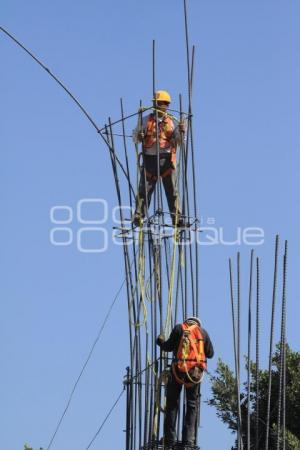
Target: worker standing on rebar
[[191, 345], [169, 136]]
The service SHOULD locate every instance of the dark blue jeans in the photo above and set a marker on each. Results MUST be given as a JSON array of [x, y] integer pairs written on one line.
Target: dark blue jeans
[[190, 419]]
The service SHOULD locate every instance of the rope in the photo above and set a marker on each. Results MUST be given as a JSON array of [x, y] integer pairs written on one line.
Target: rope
[[193, 381]]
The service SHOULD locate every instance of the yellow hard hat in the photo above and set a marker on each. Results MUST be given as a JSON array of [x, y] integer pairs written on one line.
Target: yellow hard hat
[[162, 96]]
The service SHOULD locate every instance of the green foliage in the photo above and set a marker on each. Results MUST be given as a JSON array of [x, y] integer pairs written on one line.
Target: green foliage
[[292, 441], [26, 447], [224, 395], [224, 398]]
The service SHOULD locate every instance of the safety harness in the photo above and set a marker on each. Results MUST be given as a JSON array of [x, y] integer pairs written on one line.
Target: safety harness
[[190, 362], [165, 135]]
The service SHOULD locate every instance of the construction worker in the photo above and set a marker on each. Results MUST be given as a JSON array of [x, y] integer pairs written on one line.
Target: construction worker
[[169, 136], [191, 345]]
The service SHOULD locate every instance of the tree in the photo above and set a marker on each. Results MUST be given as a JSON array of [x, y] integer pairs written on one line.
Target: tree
[[224, 399], [26, 447]]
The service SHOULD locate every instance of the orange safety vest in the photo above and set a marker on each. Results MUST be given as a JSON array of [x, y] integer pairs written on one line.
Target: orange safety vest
[[166, 131], [190, 354]]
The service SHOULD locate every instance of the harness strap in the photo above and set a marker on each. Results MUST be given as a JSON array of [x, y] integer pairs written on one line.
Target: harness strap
[[167, 172], [195, 360], [151, 176], [196, 345], [179, 380], [196, 350]]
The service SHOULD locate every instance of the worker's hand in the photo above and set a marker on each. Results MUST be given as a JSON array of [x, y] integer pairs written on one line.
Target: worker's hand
[[141, 135], [182, 126], [160, 339]]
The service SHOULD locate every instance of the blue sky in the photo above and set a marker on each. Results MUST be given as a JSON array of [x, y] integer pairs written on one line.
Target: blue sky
[[246, 118]]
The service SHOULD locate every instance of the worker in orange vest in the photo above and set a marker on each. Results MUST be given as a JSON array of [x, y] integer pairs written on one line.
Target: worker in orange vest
[[191, 346], [169, 136]]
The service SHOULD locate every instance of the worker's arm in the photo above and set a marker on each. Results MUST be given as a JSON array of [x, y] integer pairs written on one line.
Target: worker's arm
[[208, 346], [138, 133], [180, 132], [170, 344]]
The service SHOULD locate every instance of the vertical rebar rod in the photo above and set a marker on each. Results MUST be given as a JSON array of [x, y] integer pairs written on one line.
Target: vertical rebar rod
[[146, 390], [239, 313], [140, 404], [186, 210], [143, 171], [183, 177], [240, 437], [151, 378], [128, 409], [113, 156], [125, 151], [192, 69], [131, 204], [194, 273], [198, 412], [284, 345], [135, 410], [282, 376], [190, 130], [184, 206], [158, 183], [233, 319], [249, 354], [187, 48], [271, 341], [158, 188], [257, 378], [184, 232]]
